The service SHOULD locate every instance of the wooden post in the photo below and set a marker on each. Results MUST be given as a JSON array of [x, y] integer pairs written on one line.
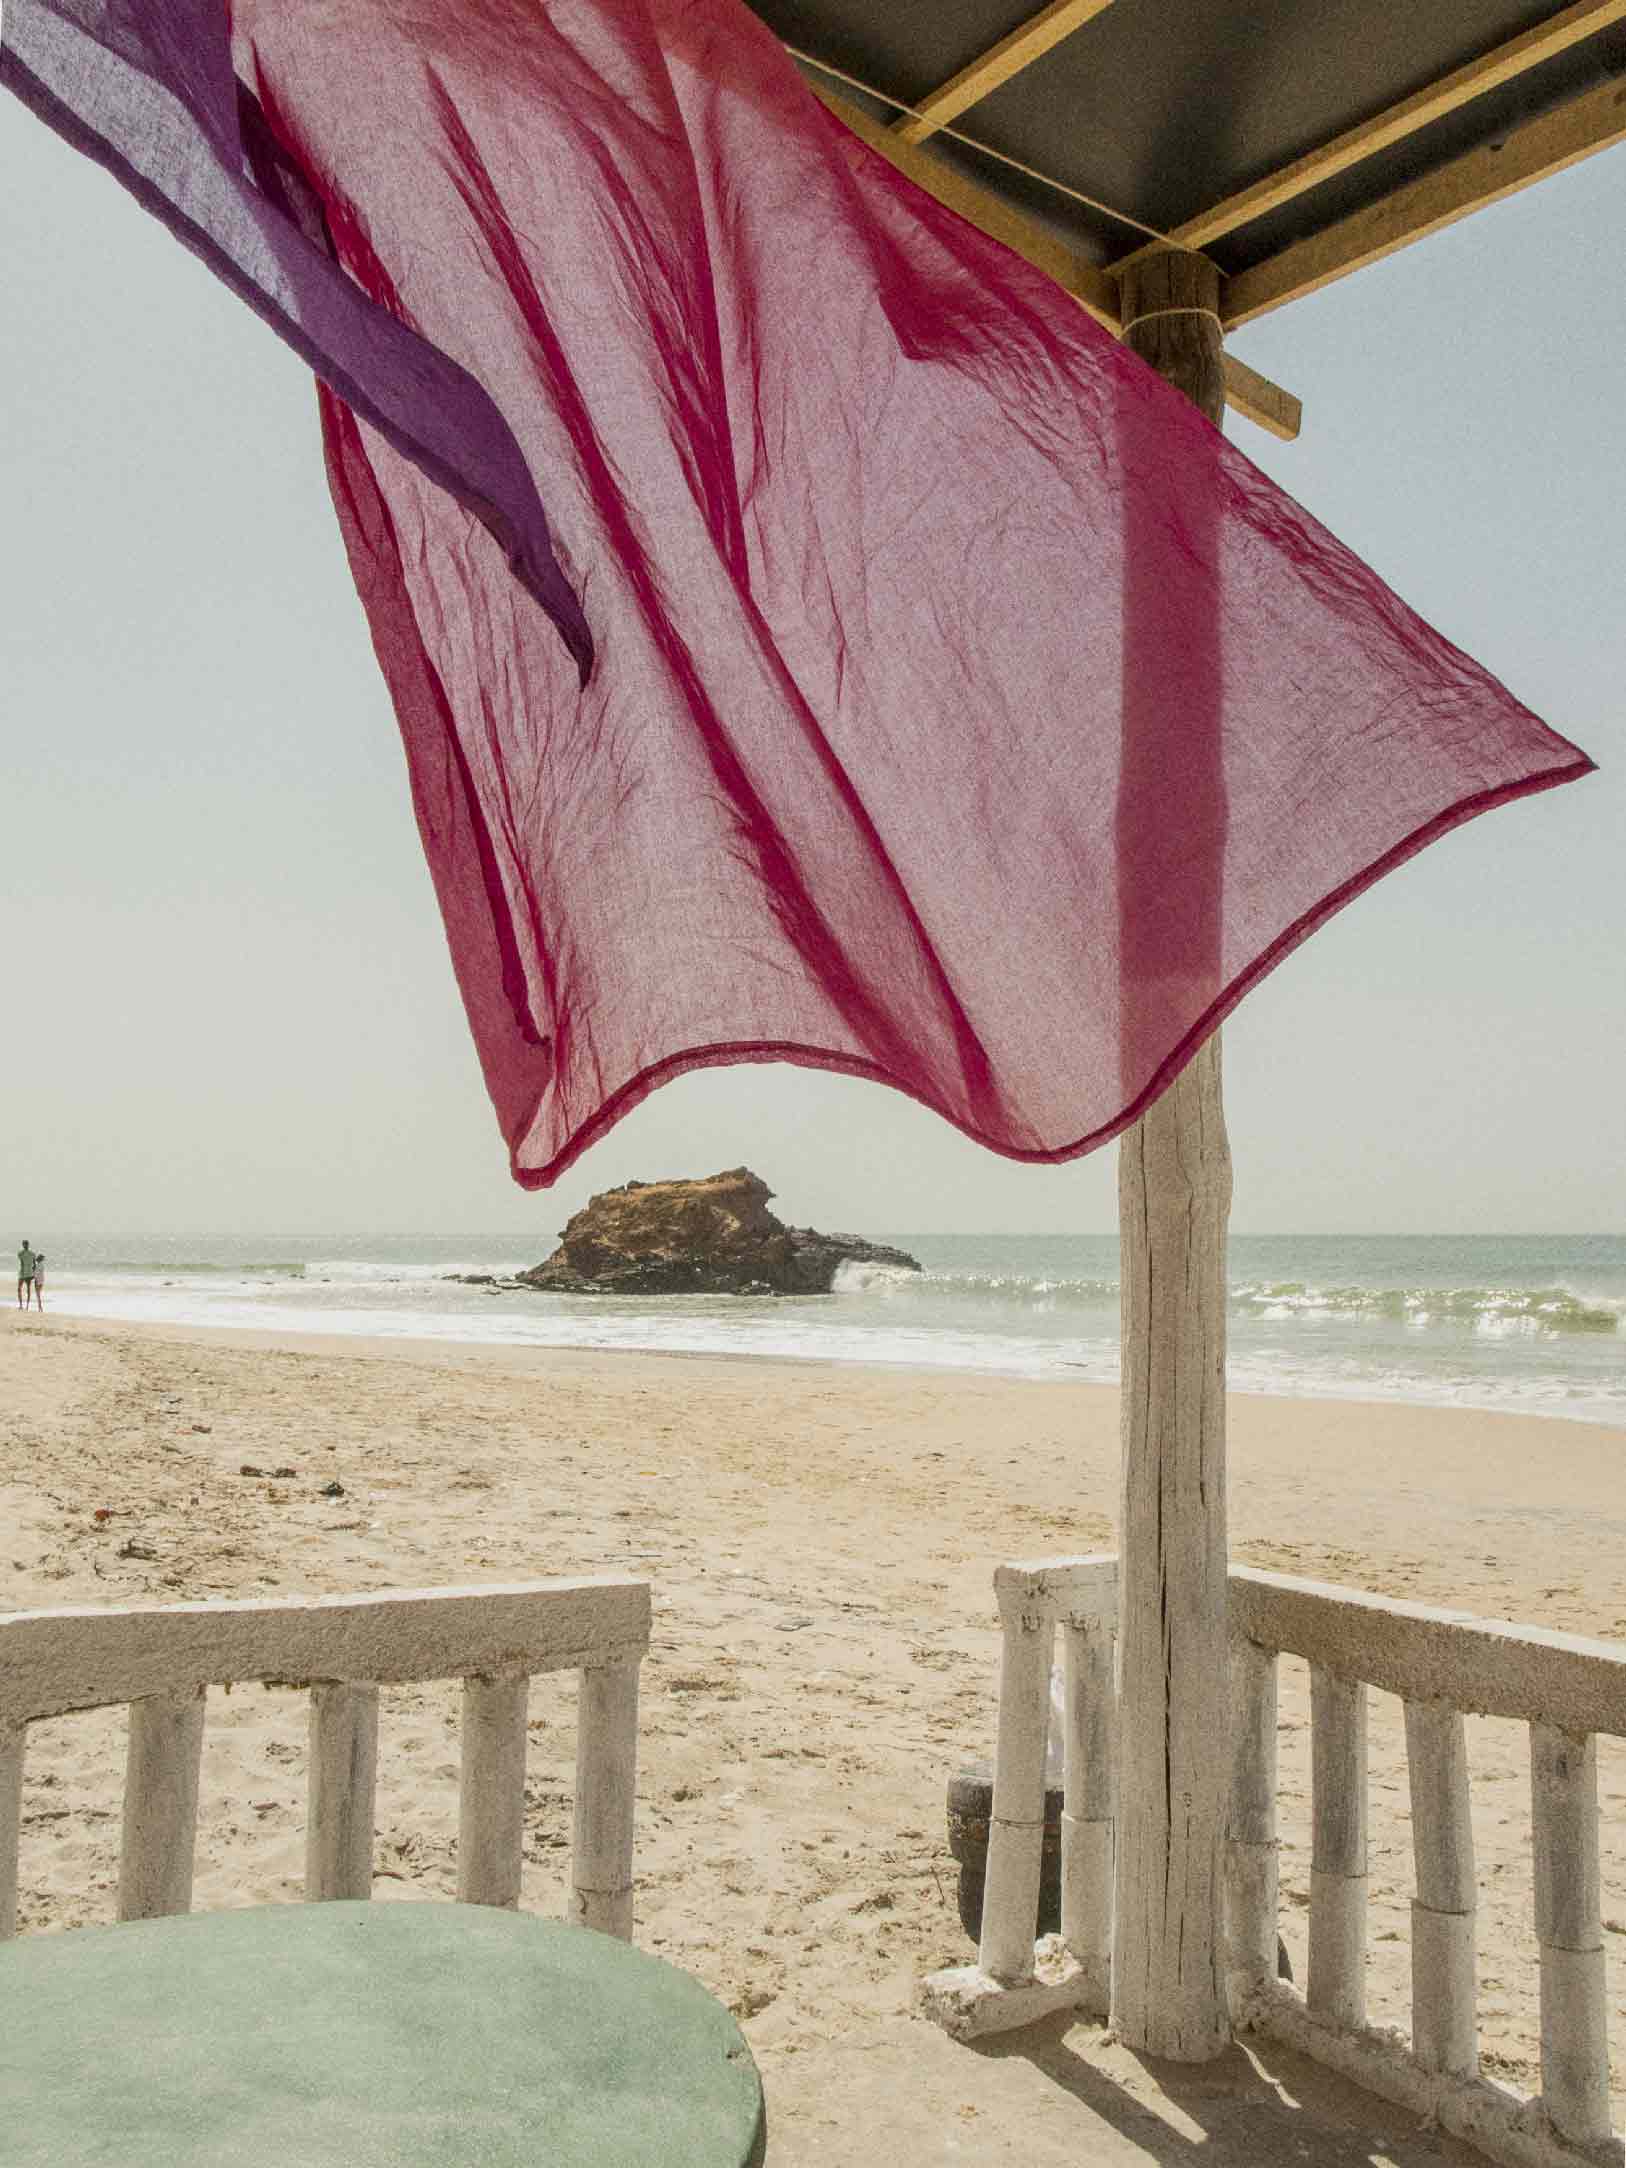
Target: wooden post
[[1569, 1933], [606, 1791], [343, 1768], [1089, 1782], [1174, 1190], [1337, 1984], [491, 1791], [1444, 2031], [1251, 1852], [1010, 1898], [161, 1805], [11, 1822]]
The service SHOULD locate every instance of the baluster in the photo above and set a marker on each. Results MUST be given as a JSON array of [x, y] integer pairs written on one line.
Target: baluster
[[161, 1805], [1087, 1801], [491, 1791], [343, 1766], [1443, 2019], [1251, 1851], [606, 1791], [1337, 1985], [11, 1821], [1569, 1930], [1010, 1902]]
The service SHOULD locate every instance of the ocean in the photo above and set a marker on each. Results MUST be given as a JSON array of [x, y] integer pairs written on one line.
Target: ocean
[[1525, 1322]]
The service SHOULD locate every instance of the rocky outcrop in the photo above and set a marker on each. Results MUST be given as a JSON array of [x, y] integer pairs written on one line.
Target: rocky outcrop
[[715, 1237]]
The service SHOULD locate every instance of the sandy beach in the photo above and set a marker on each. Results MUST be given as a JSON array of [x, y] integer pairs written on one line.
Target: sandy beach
[[820, 1540]]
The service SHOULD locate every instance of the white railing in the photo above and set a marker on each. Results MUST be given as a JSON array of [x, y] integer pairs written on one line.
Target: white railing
[[163, 1661], [1441, 1664], [1015, 1980]]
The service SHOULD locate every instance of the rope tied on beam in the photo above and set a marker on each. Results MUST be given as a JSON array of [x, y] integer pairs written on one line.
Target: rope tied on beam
[[1154, 316]]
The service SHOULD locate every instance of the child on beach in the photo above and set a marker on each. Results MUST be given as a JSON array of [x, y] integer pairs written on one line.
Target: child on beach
[[39, 1279], [26, 1263]]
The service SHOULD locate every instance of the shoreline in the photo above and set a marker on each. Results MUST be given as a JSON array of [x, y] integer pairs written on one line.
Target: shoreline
[[521, 1355], [1313, 1481]]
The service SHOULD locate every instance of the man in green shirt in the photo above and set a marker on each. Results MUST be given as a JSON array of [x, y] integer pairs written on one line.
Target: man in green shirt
[[25, 1274]]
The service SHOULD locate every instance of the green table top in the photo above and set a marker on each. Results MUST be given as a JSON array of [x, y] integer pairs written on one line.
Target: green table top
[[396, 2035]]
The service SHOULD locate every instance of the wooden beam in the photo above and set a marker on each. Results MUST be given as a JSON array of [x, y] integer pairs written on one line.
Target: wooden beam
[[1263, 403], [981, 208], [1525, 155], [1246, 391], [1500, 65], [1028, 42]]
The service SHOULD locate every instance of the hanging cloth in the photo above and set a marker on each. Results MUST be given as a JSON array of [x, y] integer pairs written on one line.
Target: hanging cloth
[[966, 712]]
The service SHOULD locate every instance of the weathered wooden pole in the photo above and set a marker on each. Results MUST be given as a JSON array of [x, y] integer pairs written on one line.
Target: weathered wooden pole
[[1174, 1189]]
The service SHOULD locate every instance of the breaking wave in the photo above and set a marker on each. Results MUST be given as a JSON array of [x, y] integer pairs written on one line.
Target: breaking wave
[[1487, 1309], [315, 1271], [175, 1267], [997, 1289], [1535, 1310], [1536, 1324]]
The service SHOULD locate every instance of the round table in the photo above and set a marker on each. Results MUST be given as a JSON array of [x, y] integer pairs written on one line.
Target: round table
[[395, 2035]]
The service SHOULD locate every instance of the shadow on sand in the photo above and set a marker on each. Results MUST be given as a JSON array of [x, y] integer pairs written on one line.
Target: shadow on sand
[[1254, 2106]]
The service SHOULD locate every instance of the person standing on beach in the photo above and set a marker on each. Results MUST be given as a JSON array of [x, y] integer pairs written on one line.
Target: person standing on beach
[[26, 1262], [39, 1279]]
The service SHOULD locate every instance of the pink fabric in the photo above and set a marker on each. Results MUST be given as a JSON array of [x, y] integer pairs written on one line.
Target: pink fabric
[[967, 713], [146, 88]]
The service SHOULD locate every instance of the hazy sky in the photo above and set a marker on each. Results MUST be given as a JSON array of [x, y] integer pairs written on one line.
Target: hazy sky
[[226, 994]]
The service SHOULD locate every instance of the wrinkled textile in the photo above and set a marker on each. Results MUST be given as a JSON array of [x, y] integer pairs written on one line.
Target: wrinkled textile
[[967, 713], [146, 88]]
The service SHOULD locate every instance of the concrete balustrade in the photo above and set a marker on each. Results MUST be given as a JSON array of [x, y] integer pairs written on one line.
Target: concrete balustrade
[[162, 1661], [161, 1804], [606, 1780], [1337, 1987], [491, 1790], [1442, 1664], [1443, 2027], [1090, 1748], [343, 1771]]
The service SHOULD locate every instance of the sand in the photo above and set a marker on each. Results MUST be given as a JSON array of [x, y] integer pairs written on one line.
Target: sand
[[820, 1540]]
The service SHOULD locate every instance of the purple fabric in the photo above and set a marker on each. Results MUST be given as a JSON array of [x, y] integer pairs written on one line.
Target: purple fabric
[[146, 88], [968, 713]]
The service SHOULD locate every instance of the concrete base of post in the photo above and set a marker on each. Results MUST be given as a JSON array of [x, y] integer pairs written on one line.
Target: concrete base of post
[[969, 2003]]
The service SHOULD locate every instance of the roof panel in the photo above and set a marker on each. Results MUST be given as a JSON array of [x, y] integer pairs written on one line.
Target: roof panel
[[1486, 120], [1163, 108], [906, 50]]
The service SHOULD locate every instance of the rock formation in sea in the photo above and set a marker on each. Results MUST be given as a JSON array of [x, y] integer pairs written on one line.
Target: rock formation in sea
[[715, 1237]]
